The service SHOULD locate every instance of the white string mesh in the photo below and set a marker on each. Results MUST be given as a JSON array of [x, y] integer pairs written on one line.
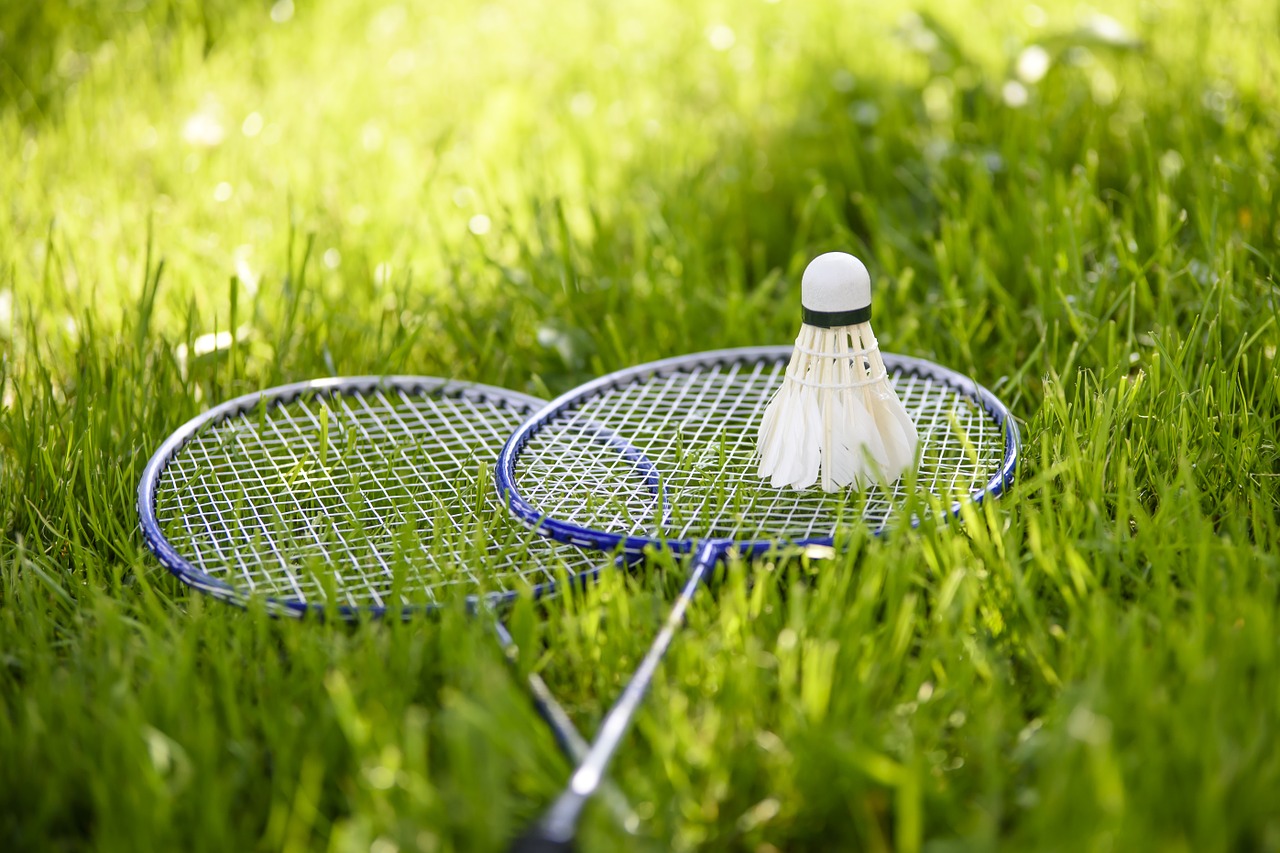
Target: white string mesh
[[697, 429], [394, 506]]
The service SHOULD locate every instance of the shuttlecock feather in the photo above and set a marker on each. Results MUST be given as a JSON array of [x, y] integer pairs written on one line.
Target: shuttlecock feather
[[836, 418]]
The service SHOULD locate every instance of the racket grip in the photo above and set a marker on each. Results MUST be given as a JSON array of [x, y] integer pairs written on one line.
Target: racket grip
[[536, 839]]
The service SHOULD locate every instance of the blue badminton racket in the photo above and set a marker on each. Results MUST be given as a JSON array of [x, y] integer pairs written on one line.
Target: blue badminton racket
[[663, 455], [356, 496]]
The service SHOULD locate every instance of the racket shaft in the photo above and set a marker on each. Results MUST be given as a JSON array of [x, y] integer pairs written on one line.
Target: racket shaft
[[560, 822], [570, 741]]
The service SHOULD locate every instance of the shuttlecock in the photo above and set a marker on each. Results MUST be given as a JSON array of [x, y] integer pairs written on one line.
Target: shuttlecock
[[836, 417]]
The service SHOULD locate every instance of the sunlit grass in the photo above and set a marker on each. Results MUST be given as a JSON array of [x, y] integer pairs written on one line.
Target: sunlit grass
[[201, 200]]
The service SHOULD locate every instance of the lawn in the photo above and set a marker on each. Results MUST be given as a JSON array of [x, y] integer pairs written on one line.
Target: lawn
[[1079, 210]]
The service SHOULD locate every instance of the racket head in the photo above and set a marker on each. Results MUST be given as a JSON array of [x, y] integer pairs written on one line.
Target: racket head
[[563, 471], [349, 496]]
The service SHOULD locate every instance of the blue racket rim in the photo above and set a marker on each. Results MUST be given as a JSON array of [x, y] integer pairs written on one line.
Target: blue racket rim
[[193, 576], [635, 545]]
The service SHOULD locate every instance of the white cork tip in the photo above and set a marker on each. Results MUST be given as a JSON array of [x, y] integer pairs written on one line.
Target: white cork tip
[[836, 281]]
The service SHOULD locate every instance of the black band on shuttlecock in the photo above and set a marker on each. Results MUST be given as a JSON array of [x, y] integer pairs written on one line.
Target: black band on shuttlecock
[[831, 319]]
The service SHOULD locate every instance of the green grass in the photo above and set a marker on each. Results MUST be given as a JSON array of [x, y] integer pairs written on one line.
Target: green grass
[[1091, 663]]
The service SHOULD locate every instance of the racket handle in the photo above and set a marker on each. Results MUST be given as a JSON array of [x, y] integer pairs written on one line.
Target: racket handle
[[535, 840]]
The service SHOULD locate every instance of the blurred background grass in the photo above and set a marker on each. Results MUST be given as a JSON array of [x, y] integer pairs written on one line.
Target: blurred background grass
[[1076, 205], [610, 156]]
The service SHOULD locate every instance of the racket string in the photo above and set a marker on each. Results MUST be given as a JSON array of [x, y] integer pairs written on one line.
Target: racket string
[[696, 428], [248, 501]]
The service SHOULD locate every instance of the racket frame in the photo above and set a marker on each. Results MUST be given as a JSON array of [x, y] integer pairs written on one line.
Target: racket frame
[[565, 733], [634, 545], [283, 395], [557, 828]]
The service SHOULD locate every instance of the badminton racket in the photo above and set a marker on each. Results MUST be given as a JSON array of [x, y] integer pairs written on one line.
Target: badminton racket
[[356, 496], [663, 455]]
